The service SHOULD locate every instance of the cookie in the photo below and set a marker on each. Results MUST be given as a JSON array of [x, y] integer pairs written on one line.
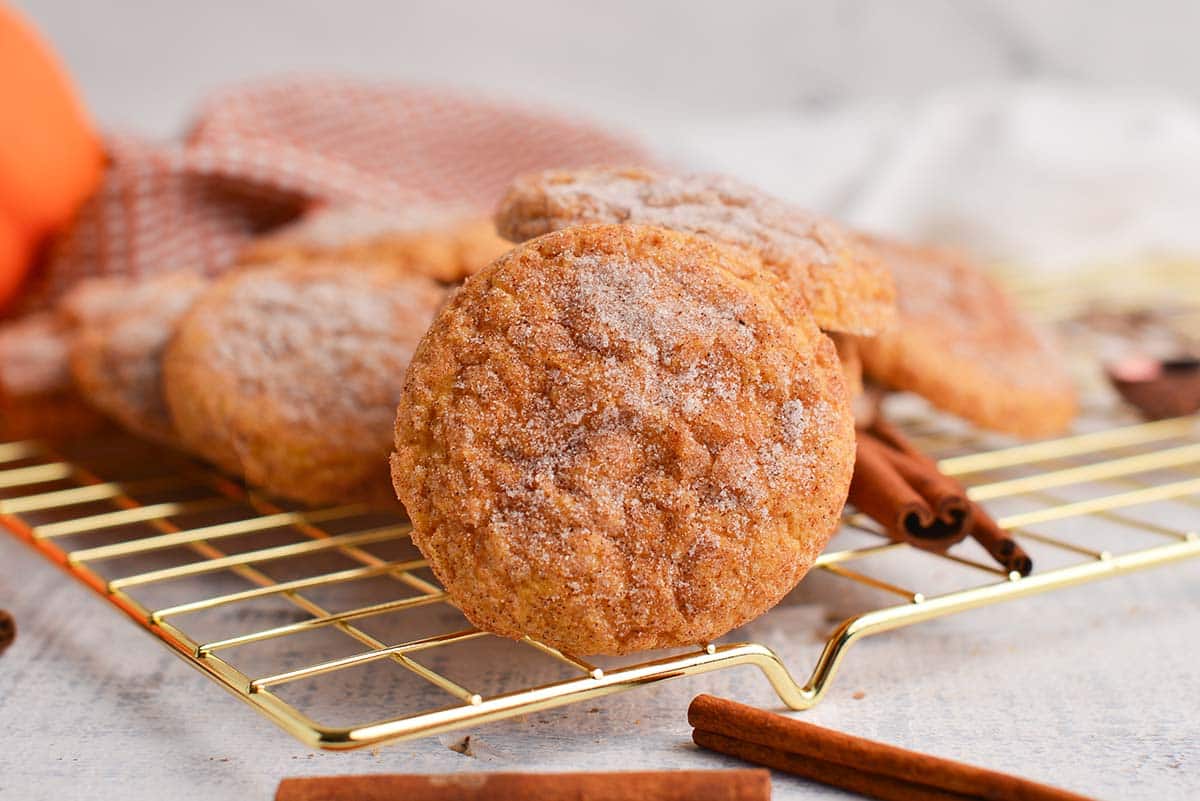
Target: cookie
[[846, 287], [289, 375], [444, 242], [959, 342], [37, 397], [34, 352], [614, 439], [122, 328]]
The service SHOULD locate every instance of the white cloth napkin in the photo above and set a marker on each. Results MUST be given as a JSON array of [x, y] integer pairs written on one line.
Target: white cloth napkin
[[1043, 175]]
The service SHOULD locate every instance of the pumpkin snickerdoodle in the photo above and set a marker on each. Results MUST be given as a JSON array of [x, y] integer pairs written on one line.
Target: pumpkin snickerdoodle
[[121, 328], [614, 438], [959, 342], [444, 242], [289, 375], [846, 287]]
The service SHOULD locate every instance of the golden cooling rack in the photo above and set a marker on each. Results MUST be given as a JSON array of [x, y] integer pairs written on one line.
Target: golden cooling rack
[[303, 613]]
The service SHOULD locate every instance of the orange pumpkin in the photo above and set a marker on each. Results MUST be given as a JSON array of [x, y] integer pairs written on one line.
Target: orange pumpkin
[[50, 156]]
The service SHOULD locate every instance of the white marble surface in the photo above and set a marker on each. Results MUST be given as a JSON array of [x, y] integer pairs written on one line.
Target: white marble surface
[[1096, 689]]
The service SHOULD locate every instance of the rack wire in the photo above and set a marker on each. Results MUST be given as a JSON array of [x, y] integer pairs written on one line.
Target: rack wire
[[239, 585]]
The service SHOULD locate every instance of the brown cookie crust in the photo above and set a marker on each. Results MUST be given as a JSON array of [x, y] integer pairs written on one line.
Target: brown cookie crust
[[446, 243], [613, 439], [960, 343], [846, 287], [122, 328], [289, 375]]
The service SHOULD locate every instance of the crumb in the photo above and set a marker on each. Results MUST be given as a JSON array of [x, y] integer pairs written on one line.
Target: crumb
[[462, 746], [859, 695]]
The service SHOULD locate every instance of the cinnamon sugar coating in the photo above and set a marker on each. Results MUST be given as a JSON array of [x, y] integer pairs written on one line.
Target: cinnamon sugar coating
[[614, 438], [121, 330], [444, 242], [289, 375], [846, 287], [961, 344]]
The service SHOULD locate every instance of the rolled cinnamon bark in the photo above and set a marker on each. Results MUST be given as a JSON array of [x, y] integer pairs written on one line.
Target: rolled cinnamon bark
[[999, 543], [910, 499], [858, 781], [665, 785], [927, 479], [888, 433], [945, 496], [825, 752]]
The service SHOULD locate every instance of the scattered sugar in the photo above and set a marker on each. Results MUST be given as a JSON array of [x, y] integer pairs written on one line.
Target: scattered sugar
[[644, 326]]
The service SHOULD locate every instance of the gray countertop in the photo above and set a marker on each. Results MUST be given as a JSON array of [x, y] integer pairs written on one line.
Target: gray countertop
[[1095, 688]]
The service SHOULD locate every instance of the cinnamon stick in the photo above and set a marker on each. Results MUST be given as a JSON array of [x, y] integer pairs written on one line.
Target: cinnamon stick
[[8, 630], [912, 501], [666, 785], [947, 497], [888, 433], [839, 759], [871, 785], [999, 543]]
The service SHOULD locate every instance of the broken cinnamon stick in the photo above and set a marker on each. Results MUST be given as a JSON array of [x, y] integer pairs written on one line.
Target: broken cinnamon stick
[[841, 760], [8, 630], [665, 785]]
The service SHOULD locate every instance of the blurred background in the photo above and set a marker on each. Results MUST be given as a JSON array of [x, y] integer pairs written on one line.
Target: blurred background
[[1050, 133], [145, 63]]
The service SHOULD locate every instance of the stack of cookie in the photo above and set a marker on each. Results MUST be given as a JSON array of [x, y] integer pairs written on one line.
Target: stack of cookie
[[634, 429], [286, 371]]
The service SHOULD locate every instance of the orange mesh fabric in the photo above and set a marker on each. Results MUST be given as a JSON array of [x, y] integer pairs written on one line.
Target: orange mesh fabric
[[259, 154]]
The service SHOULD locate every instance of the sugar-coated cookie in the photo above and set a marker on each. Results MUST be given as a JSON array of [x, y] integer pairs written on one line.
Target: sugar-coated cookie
[[959, 342], [846, 287], [614, 438], [441, 241], [290, 375], [121, 328], [37, 397]]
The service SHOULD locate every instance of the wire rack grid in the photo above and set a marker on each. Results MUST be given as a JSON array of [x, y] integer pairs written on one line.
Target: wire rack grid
[[173, 542]]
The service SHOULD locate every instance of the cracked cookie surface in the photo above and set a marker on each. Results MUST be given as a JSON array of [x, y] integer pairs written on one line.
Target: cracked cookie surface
[[615, 439]]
